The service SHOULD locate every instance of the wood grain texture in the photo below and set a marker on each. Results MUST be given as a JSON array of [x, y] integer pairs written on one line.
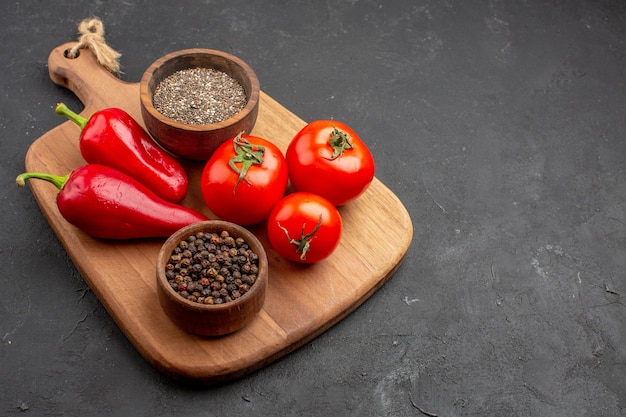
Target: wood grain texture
[[302, 301]]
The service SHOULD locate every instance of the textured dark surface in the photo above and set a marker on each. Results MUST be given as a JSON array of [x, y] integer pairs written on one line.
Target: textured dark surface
[[501, 126]]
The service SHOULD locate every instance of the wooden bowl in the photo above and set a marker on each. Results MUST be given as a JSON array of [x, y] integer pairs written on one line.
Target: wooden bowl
[[215, 319], [197, 142]]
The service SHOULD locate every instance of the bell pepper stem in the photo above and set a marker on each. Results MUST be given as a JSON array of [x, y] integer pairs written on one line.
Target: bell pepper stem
[[58, 180], [63, 110]]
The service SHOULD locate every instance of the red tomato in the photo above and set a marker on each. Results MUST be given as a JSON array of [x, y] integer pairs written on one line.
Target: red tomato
[[328, 158], [244, 179], [304, 227]]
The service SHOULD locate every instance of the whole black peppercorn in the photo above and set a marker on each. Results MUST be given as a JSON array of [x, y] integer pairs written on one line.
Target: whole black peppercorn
[[212, 268]]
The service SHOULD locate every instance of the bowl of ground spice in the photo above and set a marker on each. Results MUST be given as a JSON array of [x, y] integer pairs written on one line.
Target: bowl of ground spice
[[212, 277], [194, 99]]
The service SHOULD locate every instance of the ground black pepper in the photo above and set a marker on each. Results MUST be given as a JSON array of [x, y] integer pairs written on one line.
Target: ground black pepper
[[211, 268], [199, 96]]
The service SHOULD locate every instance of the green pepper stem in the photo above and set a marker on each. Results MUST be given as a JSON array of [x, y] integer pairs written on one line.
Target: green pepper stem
[[63, 110], [58, 180]]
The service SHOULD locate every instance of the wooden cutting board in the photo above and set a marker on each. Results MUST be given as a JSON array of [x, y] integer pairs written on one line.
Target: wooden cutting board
[[302, 301]]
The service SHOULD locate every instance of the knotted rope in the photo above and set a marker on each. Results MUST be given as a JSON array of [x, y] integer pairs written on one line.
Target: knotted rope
[[92, 37]]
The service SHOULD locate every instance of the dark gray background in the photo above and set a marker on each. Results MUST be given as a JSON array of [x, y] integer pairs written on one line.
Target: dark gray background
[[499, 124]]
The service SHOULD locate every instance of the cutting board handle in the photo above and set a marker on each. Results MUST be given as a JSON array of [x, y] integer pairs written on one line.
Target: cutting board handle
[[85, 77]]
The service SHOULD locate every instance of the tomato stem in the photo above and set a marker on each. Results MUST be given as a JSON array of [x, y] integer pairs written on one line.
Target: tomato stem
[[246, 154], [304, 244], [339, 141]]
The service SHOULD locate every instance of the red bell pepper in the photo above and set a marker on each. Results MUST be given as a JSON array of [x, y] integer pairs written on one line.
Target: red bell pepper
[[112, 137], [106, 203]]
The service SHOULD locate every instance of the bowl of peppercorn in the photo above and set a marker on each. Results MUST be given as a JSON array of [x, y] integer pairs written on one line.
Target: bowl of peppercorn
[[212, 277], [192, 100]]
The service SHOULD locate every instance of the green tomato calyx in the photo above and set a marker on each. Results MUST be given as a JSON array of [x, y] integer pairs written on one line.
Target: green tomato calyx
[[304, 244], [339, 141], [247, 155]]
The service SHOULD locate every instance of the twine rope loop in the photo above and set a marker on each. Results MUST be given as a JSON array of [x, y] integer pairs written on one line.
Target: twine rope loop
[[92, 37]]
